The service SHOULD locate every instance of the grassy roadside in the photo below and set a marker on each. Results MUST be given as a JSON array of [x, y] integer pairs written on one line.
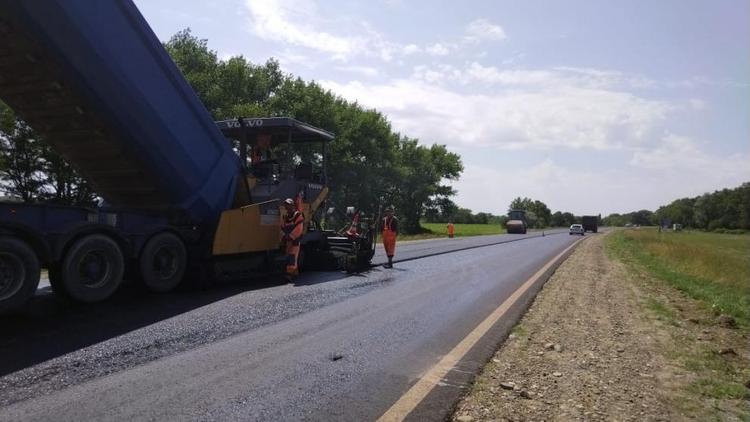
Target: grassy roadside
[[697, 289], [439, 230], [708, 267]]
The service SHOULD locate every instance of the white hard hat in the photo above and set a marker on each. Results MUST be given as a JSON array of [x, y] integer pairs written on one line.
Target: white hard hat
[[289, 201]]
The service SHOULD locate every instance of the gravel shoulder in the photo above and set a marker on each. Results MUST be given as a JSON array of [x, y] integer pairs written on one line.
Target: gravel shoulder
[[605, 340], [584, 350]]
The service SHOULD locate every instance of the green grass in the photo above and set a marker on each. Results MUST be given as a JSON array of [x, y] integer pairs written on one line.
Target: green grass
[[719, 389], [713, 269], [438, 230], [662, 311], [709, 267]]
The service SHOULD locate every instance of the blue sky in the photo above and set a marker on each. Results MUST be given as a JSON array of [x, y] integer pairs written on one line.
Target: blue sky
[[589, 106]]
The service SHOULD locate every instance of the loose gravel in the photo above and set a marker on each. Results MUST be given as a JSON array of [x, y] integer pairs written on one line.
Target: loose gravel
[[582, 352], [243, 311]]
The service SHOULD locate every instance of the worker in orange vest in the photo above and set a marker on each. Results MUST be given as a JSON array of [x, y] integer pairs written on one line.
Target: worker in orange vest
[[292, 229], [451, 230], [390, 232]]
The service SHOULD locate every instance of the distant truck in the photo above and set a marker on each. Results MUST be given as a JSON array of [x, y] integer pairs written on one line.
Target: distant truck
[[516, 222], [590, 223]]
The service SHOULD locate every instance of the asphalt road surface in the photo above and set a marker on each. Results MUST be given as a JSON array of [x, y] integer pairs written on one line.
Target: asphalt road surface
[[329, 347]]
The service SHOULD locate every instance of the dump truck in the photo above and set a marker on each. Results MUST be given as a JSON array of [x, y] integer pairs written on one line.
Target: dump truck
[[183, 195], [516, 222], [590, 223]]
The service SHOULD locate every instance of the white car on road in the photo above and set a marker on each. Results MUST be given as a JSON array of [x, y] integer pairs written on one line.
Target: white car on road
[[577, 229]]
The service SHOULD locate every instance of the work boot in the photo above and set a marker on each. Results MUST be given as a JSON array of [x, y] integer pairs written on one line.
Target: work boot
[[390, 262]]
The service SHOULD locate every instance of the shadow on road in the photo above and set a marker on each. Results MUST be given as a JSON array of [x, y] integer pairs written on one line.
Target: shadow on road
[[49, 326]]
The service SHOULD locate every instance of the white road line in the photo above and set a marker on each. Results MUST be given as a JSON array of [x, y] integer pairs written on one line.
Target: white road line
[[411, 399]]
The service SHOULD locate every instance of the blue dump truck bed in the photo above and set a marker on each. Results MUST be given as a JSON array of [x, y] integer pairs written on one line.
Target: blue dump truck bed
[[94, 81]]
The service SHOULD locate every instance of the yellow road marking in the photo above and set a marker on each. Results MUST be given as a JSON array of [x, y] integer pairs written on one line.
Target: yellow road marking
[[409, 401]]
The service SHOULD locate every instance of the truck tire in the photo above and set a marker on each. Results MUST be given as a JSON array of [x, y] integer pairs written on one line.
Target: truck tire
[[19, 273], [92, 269], [162, 262]]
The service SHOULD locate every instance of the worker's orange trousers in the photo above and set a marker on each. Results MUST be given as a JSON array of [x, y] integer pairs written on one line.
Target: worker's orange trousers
[[292, 257], [389, 242]]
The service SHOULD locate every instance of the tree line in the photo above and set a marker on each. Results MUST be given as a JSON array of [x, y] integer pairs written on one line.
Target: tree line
[[726, 209], [370, 164], [538, 214]]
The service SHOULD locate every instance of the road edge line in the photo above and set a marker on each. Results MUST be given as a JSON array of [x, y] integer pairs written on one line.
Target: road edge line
[[419, 391]]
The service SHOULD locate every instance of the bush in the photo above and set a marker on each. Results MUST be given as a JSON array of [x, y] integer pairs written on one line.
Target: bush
[[730, 231], [714, 225]]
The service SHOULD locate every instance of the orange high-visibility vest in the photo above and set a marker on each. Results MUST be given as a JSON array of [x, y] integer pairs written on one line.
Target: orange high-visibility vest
[[389, 236], [293, 228]]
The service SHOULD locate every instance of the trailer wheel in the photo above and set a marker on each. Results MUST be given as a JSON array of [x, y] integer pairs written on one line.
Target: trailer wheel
[[92, 269], [162, 262], [19, 273]]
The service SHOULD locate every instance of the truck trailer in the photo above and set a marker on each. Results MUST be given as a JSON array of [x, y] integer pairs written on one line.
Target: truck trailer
[[183, 194], [590, 223]]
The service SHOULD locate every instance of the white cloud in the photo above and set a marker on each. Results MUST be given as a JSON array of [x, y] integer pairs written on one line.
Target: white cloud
[[697, 104], [437, 50], [436, 74], [604, 78], [297, 23], [492, 75], [602, 191], [287, 58], [482, 29], [492, 189], [362, 70], [556, 76], [275, 20], [410, 49], [539, 109], [681, 155], [394, 3]]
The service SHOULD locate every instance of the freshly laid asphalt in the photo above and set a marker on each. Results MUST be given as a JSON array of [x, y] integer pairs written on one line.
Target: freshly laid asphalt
[[329, 347]]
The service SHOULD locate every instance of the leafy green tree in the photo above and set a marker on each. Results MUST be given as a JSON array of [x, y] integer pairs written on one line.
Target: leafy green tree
[[538, 213], [22, 163], [542, 212], [369, 164], [32, 170], [64, 185], [419, 173], [521, 204]]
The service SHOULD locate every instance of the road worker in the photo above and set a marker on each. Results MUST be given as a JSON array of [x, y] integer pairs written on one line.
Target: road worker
[[390, 232], [292, 229], [451, 230], [353, 230]]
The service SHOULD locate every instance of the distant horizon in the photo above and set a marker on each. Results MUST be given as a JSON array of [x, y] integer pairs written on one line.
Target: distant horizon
[[589, 107], [628, 211]]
